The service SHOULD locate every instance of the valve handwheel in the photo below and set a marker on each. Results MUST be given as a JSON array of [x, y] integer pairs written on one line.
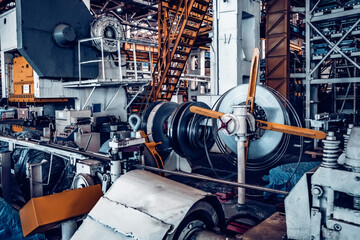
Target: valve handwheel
[[224, 125]]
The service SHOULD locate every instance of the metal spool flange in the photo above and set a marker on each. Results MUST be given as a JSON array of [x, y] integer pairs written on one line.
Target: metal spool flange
[[274, 112], [146, 113], [157, 126], [187, 132], [173, 124]]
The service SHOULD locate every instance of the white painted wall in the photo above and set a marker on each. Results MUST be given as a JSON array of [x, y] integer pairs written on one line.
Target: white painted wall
[[236, 31]]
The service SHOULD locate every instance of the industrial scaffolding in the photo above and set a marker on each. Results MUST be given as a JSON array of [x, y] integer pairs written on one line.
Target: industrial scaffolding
[[332, 56]]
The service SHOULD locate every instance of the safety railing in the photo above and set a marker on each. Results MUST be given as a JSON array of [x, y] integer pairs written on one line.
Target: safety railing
[[102, 78]]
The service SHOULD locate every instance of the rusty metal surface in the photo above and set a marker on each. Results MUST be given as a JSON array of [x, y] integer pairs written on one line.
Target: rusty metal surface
[[278, 45], [272, 228], [139, 205]]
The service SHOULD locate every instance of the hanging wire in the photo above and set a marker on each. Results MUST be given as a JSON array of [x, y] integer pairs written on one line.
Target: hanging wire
[[301, 139]]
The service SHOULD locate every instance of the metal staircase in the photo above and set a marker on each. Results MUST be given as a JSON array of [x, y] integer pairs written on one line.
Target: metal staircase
[[179, 24]]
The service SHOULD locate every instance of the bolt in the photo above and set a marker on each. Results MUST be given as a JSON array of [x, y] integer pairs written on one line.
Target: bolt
[[337, 227], [317, 191], [190, 226], [357, 178]]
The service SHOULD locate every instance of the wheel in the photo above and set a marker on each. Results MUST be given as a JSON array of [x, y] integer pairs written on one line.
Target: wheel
[[201, 216], [82, 180]]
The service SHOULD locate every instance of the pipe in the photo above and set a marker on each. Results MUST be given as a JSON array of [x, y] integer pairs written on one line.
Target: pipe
[[240, 112], [206, 178]]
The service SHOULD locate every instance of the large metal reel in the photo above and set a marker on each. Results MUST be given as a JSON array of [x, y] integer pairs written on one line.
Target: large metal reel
[[274, 112], [107, 27], [146, 113], [157, 125], [188, 133]]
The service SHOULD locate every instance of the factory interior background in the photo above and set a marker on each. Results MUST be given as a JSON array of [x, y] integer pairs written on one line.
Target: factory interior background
[[179, 119]]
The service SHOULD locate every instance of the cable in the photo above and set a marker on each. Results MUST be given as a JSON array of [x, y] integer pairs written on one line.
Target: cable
[[297, 119], [205, 134], [206, 150]]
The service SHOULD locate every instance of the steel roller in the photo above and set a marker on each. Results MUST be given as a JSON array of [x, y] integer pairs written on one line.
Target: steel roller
[[188, 132], [156, 124]]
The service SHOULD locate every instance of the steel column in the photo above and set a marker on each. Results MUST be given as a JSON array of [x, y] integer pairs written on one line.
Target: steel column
[[307, 65], [277, 72]]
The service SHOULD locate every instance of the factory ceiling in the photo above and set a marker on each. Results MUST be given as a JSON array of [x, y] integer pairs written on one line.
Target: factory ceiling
[[138, 16]]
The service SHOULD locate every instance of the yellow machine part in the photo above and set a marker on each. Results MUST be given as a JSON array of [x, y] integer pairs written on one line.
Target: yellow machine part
[[152, 149], [43, 213], [17, 128], [23, 81], [304, 132]]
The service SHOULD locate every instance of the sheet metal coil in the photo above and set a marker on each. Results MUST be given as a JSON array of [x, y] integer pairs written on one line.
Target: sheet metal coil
[[262, 150], [188, 132], [155, 124], [274, 112], [177, 129]]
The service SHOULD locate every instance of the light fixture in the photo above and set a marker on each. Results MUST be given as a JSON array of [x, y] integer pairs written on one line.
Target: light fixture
[[119, 9]]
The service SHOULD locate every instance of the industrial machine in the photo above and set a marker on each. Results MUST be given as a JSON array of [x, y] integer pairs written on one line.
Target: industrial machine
[[325, 202], [94, 171]]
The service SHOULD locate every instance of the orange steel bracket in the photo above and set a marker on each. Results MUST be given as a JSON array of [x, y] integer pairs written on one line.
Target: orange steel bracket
[[43, 213], [304, 132], [16, 128], [206, 112], [250, 100], [152, 148]]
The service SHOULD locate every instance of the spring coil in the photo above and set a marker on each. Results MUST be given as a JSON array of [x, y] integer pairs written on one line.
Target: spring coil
[[330, 151]]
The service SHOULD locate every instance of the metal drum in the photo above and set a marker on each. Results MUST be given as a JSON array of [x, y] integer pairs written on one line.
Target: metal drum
[[188, 133], [267, 107], [156, 126]]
